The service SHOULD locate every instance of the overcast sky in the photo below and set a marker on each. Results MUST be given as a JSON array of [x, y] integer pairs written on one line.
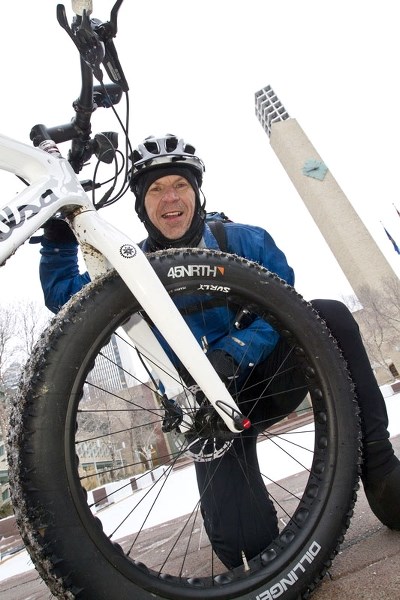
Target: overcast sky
[[193, 69]]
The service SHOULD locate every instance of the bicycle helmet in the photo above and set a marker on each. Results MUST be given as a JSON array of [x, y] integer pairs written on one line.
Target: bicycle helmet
[[155, 158], [161, 153]]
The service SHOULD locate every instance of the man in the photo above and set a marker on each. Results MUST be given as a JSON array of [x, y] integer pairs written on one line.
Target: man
[[166, 180]]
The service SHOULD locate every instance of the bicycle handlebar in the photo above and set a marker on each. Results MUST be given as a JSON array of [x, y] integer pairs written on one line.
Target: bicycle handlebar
[[93, 40]]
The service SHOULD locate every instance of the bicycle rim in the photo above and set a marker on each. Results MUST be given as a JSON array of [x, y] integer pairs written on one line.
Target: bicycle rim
[[126, 494]]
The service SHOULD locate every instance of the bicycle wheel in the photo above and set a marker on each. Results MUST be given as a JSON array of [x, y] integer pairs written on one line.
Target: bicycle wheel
[[109, 505]]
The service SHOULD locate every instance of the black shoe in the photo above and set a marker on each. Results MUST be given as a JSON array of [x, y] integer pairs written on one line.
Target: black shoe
[[381, 479], [383, 498]]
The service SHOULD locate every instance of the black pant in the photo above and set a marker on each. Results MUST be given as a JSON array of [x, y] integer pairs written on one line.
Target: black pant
[[238, 514], [374, 418]]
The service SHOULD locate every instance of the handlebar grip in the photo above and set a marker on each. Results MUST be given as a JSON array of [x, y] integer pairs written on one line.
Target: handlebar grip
[[39, 133]]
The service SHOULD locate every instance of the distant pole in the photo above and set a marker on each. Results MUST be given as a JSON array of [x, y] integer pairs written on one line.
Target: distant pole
[[351, 243]]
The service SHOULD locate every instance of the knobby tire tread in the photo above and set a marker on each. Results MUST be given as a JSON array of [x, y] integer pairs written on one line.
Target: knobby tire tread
[[26, 435]]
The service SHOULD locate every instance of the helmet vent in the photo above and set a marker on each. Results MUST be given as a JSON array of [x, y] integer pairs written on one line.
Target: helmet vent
[[152, 147], [171, 144]]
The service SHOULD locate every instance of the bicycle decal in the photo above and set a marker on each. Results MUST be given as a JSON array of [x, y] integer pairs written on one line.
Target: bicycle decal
[[195, 271], [9, 222], [292, 576], [128, 251], [214, 288]]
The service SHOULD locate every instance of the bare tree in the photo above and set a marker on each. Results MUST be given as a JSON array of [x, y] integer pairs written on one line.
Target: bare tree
[[7, 339], [119, 422], [20, 326], [391, 303], [378, 315], [8, 354], [31, 321]]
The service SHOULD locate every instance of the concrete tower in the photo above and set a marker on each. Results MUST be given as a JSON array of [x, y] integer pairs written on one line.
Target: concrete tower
[[354, 248]]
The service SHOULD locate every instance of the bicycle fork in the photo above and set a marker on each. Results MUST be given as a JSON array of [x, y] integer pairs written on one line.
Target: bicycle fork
[[108, 246]]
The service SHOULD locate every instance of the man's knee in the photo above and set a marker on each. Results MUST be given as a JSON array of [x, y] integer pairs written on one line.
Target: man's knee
[[337, 317]]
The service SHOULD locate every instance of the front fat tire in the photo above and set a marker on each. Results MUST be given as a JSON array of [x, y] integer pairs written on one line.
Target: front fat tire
[[67, 544]]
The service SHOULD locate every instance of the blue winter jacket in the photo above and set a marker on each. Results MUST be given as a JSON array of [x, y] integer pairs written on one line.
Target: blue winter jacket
[[60, 279]]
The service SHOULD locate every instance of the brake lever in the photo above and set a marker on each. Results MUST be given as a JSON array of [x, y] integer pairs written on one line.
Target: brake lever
[[107, 31], [113, 66], [114, 15], [62, 19]]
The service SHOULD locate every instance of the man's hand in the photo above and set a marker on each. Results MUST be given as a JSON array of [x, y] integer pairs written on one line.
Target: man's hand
[[226, 367], [58, 231]]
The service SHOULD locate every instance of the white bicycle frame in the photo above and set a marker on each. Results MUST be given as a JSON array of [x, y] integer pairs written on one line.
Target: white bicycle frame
[[53, 185]]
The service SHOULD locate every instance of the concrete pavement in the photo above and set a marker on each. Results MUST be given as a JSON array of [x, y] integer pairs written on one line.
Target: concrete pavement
[[368, 564]]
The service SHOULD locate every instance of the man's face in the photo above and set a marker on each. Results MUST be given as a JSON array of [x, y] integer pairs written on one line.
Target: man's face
[[170, 203]]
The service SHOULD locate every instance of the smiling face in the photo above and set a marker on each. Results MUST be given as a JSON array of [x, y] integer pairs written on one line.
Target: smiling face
[[170, 204]]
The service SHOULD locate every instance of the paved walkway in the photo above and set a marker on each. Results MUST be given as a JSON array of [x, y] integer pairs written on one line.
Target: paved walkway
[[368, 565]]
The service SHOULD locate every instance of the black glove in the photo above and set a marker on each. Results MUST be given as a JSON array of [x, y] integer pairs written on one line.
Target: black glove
[[226, 367], [58, 231]]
